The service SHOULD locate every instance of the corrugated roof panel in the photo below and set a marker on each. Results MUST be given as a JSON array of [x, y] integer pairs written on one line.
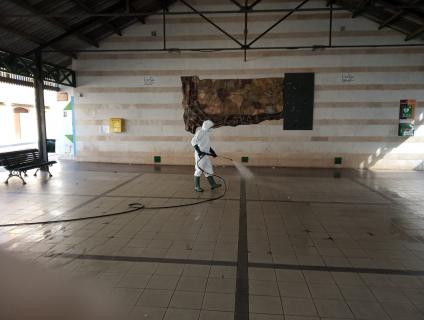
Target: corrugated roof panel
[[18, 45]]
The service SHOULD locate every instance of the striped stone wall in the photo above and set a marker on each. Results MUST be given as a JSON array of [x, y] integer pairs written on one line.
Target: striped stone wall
[[356, 120]]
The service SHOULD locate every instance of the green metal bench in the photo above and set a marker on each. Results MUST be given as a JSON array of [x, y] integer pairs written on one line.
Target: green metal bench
[[18, 162]]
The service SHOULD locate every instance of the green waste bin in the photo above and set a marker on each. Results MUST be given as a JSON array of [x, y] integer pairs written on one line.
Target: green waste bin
[[51, 145]]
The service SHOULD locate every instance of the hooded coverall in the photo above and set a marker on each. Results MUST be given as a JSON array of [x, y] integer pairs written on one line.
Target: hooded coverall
[[202, 139]]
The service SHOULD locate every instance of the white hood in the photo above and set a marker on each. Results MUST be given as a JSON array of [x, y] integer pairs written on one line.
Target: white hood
[[207, 125]]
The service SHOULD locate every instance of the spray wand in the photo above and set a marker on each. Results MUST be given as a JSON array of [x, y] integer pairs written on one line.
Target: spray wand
[[209, 154]]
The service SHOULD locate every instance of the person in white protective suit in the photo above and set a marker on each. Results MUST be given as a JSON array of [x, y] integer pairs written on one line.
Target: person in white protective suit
[[202, 145]]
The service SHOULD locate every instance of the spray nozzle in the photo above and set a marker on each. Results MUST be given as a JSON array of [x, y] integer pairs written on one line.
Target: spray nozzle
[[226, 158]]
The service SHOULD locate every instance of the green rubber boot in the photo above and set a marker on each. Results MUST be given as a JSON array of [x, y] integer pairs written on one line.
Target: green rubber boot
[[212, 182], [197, 187]]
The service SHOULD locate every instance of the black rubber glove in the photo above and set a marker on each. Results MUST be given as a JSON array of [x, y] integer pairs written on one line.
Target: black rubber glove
[[199, 152], [212, 152]]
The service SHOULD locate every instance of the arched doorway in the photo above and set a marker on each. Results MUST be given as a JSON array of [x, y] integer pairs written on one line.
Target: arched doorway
[[19, 120]]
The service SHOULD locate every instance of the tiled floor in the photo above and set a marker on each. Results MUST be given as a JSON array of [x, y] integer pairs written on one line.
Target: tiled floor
[[287, 244]]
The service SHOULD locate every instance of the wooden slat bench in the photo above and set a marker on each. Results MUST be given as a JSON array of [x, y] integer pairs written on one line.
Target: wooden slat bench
[[18, 162]]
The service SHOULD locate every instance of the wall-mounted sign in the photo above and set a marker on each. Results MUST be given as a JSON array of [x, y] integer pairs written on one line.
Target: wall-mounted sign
[[116, 125], [148, 81], [407, 118], [406, 130], [348, 77]]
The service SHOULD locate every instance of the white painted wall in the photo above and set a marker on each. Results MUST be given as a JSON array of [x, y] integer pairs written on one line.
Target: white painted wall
[[356, 120]]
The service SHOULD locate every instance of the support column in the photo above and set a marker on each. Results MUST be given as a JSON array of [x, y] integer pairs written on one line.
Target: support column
[[40, 109]]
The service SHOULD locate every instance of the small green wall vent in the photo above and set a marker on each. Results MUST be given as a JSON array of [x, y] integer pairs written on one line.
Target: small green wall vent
[[338, 160], [245, 159], [157, 159]]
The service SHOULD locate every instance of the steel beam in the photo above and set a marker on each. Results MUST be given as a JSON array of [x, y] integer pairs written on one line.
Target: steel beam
[[360, 7], [236, 3], [24, 4], [135, 14], [254, 4], [390, 19], [164, 9], [414, 4], [330, 32], [415, 33], [245, 31], [278, 22], [383, 5], [313, 47], [40, 109], [211, 22], [330, 4], [385, 13], [139, 18], [23, 66]]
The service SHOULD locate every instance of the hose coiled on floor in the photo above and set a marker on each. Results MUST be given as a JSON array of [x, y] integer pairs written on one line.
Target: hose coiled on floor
[[133, 207]]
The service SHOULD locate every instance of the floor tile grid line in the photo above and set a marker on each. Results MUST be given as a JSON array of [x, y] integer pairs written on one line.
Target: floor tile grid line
[[147, 259], [258, 200], [241, 310], [105, 193], [393, 201], [338, 286], [173, 294], [346, 300], [377, 204], [197, 198], [214, 248], [182, 261], [366, 186], [330, 237], [398, 272], [278, 285], [176, 291], [123, 226], [129, 223], [338, 269], [280, 292], [314, 298], [266, 228], [296, 253], [101, 195], [280, 289]]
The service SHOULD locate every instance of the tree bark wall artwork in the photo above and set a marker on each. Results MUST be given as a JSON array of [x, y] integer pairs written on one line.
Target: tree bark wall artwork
[[231, 102]]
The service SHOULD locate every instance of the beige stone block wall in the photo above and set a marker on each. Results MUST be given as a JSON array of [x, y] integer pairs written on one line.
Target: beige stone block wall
[[356, 120]]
